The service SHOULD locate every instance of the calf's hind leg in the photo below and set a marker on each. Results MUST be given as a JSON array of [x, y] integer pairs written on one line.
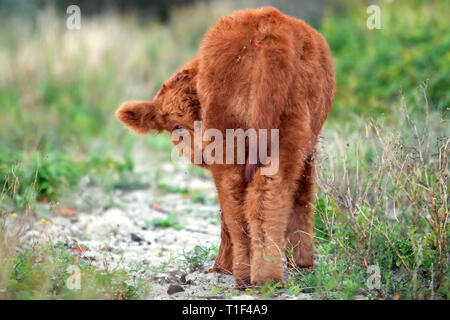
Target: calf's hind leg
[[269, 204], [299, 233]]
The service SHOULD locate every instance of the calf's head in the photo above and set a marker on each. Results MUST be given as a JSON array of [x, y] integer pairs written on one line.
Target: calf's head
[[174, 108]]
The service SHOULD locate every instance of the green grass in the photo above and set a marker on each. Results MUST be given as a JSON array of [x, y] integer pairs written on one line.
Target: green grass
[[199, 196], [218, 290], [169, 222], [173, 189], [373, 66], [43, 271], [388, 214], [195, 195]]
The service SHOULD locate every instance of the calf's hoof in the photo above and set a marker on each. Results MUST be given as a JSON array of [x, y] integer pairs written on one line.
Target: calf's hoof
[[266, 272], [257, 283]]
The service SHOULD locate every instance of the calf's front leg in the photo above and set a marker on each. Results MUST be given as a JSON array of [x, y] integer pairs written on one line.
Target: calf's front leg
[[269, 203], [299, 233]]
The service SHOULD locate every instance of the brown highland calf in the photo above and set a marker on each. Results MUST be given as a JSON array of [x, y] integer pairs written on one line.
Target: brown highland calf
[[256, 69]]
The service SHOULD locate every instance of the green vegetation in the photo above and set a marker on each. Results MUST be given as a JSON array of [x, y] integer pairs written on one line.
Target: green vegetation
[[382, 190], [169, 222], [41, 271], [218, 290], [196, 258], [195, 195], [383, 210], [199, 196], [173, 189], [374, 66]]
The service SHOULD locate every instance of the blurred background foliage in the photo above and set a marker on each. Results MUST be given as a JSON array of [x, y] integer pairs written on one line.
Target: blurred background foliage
[[59, 88]]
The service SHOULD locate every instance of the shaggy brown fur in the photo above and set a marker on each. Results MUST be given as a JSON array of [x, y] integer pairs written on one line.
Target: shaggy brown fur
[[260, 69]]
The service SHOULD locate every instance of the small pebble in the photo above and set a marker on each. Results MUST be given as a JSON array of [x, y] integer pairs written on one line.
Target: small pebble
[[174, 288]]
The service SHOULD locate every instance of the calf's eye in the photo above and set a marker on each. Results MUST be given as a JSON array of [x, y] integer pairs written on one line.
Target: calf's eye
[[178, 128]]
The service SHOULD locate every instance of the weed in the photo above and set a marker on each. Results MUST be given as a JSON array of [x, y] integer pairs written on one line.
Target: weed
[[218, 290], [390, 215], [197, 257], [169, 222], [173, 189]]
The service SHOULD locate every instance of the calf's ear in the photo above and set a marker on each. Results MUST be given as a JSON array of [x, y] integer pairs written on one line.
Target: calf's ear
[[139, 116]]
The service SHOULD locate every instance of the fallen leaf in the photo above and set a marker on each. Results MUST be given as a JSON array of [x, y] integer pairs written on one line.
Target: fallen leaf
[[65, 211]]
